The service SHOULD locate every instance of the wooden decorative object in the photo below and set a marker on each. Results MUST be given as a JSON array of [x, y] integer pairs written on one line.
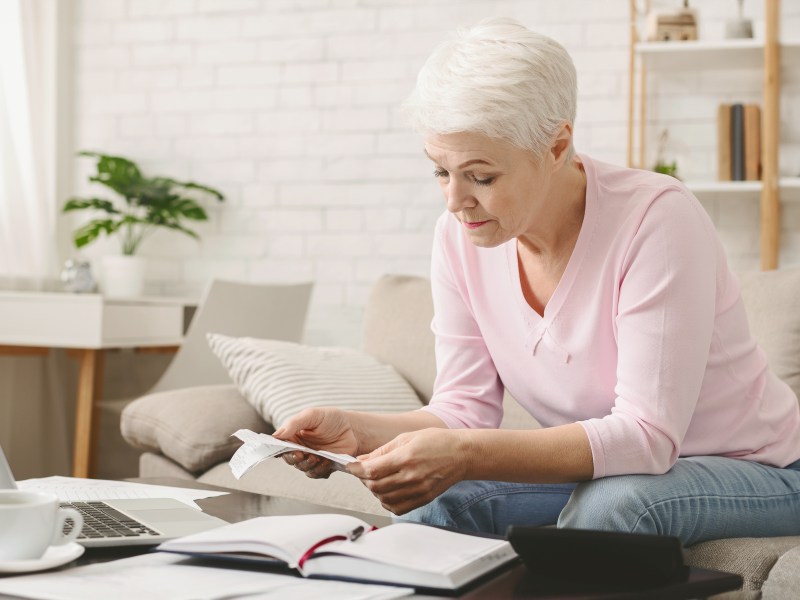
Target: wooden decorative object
[[680, 25]]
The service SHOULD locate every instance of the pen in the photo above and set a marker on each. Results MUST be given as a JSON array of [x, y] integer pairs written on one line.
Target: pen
[[356, 533]]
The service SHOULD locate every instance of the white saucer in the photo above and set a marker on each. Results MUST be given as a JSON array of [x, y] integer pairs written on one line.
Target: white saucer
[[54, 557]]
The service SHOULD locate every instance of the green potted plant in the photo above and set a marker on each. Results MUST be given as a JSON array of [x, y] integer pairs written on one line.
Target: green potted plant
[[148, 203], [662, 165]]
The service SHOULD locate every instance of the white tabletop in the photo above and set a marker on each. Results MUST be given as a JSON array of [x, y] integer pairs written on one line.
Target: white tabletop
[[66, 320]]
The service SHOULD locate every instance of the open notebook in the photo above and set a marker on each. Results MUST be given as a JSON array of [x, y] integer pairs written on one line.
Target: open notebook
[[333, 546]]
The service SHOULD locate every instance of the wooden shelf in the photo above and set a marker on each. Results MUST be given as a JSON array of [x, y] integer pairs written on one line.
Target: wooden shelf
[[789, 184], [714, 187], [723, 54], [701, 54]]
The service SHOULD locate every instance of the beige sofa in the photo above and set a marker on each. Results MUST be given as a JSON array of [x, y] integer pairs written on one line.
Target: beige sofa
[[186, 433]]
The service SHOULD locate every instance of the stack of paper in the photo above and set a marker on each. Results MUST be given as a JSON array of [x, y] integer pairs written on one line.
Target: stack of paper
[[73, 489], [161, 576]]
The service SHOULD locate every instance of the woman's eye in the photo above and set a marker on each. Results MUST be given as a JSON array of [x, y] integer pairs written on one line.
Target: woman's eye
[[486, 181], [439, 173]]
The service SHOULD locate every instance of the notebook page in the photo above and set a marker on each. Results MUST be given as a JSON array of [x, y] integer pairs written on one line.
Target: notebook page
[[434, 550], [284, 537]]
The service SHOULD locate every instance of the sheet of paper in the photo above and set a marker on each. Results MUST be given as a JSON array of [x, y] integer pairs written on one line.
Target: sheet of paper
[[260, 446], [333, 590], [159, 576], [74, 489]]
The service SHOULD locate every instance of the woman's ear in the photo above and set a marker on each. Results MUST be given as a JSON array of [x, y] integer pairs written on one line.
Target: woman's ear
[[561, 144]]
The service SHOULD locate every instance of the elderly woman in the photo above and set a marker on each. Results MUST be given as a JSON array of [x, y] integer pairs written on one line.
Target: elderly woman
[[601, 299]]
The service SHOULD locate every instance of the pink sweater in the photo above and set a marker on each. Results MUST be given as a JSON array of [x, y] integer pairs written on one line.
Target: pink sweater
[[644, 342]]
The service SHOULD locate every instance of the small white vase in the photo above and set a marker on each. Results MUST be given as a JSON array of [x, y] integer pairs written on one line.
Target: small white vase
[[123, 276]]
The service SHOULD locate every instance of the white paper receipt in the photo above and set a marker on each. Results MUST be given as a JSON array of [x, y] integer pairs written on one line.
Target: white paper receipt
[[260, 446]]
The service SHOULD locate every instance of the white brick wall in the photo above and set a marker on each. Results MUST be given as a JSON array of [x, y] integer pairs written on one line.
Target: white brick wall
[[291, 108]]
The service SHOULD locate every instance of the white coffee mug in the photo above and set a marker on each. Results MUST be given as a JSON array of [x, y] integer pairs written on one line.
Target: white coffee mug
[[31, 522]]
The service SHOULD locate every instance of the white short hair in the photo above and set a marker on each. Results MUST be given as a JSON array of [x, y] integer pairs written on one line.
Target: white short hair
[[500, 79]]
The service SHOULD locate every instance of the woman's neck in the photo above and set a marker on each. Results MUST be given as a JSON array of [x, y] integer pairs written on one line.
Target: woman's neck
[[555, 239]]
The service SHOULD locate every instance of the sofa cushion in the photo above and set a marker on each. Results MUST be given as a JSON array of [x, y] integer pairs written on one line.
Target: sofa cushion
[[770, 298], [397, 329], [157, 465], [280, 379], [274, 478], [191, 426], [782, 582], [752, 558]]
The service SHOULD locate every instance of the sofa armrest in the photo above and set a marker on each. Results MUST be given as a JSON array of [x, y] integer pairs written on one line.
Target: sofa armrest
[[191, 426]]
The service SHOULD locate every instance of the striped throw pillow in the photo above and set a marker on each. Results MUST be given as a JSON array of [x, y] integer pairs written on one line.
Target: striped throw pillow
[[279, 379]]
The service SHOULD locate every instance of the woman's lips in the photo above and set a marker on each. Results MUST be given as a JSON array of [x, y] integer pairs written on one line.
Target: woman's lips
[[474, 224]]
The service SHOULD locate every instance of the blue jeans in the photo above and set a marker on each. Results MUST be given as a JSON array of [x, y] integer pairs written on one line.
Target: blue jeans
[[700, 498]]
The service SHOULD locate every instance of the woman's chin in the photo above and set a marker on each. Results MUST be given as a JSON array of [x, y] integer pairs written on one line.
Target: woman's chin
[[484, 241]]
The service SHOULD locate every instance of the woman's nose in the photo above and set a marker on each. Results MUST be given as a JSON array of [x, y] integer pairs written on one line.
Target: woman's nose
[[458, 196]]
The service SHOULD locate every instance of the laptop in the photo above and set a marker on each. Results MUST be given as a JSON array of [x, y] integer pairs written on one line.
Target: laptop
[[129, 522]]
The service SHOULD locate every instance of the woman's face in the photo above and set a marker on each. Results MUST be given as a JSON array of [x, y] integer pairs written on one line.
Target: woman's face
[[494, 188]]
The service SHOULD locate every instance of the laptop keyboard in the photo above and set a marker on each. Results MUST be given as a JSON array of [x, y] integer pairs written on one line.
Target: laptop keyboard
[[102, 521]]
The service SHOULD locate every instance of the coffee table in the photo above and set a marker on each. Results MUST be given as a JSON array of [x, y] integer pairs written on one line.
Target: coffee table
[[514, 582]]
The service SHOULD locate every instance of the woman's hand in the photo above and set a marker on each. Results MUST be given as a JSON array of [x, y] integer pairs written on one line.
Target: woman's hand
[[413, 468], [321, 429]]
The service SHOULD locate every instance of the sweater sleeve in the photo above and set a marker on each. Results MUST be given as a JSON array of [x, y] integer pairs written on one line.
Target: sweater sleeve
[[467, 391], [664, 326]]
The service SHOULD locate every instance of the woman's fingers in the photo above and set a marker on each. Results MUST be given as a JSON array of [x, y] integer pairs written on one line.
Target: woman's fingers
[[311, 464], [293, 458], [307, 419], [301, 460], [322, 471], [402, 501], [398, 480], [410, 470]]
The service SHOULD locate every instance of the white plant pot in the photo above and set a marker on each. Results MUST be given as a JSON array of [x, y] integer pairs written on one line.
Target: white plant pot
[[123, 276]]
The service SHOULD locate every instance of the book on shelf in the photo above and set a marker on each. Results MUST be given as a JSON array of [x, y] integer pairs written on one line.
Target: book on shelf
[[752, 142], [738, 142], [724, 142], [334, 546]]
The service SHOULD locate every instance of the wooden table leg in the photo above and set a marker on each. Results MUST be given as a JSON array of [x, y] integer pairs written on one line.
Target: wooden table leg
[[90, 375]]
